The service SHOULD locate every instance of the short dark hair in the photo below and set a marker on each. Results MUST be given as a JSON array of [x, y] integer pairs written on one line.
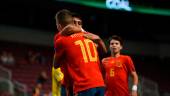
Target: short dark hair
[[118, 38], [64, 17]]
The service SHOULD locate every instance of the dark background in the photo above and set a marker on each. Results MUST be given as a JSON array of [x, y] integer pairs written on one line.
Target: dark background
[[40, 14]]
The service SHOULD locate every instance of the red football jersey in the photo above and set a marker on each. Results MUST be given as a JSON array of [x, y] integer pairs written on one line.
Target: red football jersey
[[117, 72], [82, 61], [66, 81], [56, 37]]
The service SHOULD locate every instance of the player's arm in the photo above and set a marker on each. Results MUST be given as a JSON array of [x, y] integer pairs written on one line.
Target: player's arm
[[70, 29], [97, 40], [59, 51], [56, 63], [104, 61], [135, 83], [134, 75]]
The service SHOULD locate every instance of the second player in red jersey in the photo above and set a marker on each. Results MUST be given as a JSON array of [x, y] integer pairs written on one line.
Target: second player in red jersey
[[117, 70]]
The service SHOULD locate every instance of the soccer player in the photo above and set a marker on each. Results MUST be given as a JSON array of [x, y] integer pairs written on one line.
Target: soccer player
[[59, 85], [101, 46], [81, 57], [98, 41], [118, 67]]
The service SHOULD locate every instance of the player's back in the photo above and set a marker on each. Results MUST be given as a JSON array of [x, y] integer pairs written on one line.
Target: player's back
[[83, 62]]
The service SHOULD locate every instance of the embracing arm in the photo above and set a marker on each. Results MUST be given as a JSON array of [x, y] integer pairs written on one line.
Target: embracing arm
[[97, 40], [70, 29], [102, 45], [56, 63]]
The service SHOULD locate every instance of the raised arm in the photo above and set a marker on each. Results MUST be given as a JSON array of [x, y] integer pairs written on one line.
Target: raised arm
[[97, 40], [70, 29]]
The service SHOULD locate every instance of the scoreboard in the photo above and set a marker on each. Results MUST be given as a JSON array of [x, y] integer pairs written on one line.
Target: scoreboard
[[158, 7]]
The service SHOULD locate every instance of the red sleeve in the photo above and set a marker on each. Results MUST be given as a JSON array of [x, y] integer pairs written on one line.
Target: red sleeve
[[59, 49], [56, 37], [104, 61], [130, 64]]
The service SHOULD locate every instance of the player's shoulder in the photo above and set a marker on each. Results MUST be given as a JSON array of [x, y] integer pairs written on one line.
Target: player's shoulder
[[60, 40], [125, 57], [106, 59], [57, 35]]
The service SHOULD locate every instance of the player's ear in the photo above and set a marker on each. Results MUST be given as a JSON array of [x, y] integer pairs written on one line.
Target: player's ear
[[59, 27], [121, 47]]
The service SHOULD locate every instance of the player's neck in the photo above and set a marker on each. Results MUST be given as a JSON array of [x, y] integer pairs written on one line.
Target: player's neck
[[115, 54]]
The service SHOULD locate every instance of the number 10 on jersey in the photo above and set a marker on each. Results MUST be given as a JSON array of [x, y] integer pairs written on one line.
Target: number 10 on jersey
[[86, 51]]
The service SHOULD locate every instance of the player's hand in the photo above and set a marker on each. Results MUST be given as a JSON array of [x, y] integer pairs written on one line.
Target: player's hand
[[134, 93], [70, 29], [58, 74], [92, 36]]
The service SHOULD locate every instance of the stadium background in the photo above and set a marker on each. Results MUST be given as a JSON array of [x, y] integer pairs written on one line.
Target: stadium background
[[29, 25]]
